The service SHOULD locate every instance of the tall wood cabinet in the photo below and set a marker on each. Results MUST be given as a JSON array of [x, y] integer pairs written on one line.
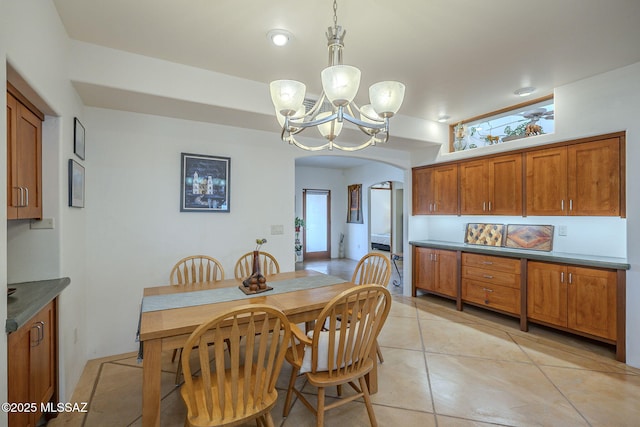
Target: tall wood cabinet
[[24, 158], [578, 179], [32, 365], [491, 186], [577, 298], [435, 190], [435, 270]]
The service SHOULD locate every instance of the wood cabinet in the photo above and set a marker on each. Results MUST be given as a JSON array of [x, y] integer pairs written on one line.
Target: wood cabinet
[[492, 282], [435, 270], [24, 158], [491, 186], [32, 362], [435, 190], [578, 179], [572, 297]]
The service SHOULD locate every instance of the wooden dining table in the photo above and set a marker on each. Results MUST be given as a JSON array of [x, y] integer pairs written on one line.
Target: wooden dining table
[[167, 326]]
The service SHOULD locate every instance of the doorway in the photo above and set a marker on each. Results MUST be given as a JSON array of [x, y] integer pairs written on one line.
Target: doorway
[[316, 211]]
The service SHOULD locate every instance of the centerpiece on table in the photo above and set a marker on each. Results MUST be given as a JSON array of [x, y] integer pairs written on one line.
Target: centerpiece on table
[[256, 283]]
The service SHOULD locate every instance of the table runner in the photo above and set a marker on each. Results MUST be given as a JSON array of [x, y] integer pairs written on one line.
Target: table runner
[[210, 296]]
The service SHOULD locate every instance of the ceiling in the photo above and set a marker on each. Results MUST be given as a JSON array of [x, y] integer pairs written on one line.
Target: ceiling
[[460, 58]]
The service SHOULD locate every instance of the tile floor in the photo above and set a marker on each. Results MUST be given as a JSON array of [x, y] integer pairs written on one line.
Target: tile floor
[[442, 368]]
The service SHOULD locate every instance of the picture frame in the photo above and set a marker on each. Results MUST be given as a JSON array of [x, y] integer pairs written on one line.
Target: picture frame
[[205, 183], [78, 139], [354, 204], [76, 184]]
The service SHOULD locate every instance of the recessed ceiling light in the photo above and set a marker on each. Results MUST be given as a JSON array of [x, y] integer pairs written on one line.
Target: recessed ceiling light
[[525, 91], [279, 37], [443, 119]]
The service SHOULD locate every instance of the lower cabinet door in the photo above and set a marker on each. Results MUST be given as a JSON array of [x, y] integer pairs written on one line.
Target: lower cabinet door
[[547, 293], [592, 301]]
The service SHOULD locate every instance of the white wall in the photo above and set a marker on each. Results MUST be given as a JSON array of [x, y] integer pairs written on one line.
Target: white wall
[[598, 105], [35, 44]]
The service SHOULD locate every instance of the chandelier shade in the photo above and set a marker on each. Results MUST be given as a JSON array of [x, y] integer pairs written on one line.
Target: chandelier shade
[[287, 96], [340, 84], [386, 97]]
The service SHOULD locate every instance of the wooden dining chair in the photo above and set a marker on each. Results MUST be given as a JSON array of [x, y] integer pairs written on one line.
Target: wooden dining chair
[[190, 271], [373, 268], [244, 266], [196, 269], [341, 353], [239, 385]]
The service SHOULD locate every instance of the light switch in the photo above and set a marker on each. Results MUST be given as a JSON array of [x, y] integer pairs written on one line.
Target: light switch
[[562, 230], [277, 229]]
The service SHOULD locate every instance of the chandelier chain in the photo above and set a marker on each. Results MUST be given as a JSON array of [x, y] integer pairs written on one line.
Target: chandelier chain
[[335, 13]]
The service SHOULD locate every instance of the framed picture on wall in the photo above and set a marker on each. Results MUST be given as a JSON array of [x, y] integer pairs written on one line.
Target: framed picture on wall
[[354, 212], [76, 184], [204, 183], [78, 138]]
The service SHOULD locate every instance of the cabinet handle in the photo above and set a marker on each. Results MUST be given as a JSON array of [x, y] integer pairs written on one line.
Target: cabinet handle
[[562, 277], [562, 205], [487, 262], [435, 257], [571, 204], [487, 276], [570, 278], [484, 206], [430, 207], [487, 290], [20, 196], [489, 206], [430, 257], [26, 190], [34, 343], [435, 206]]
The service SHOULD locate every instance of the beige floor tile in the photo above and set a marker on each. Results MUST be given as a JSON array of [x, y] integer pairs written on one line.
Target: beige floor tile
[[500, 392], [400, 332], [470, 339], [604, 398], [403, 307], [444, 421], [352, 414]]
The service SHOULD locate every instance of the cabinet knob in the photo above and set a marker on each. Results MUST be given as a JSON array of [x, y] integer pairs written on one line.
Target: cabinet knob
[[487, 276]]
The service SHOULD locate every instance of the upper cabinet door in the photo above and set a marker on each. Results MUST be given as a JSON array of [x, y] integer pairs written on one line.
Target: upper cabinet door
[[422, 195], [473, 188], [504, 195], [546, 172], [445, 190], [594, 178]]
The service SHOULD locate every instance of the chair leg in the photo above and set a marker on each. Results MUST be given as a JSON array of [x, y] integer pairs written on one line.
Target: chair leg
[[179, 368], [379, 352], [339, 390], [292, 382], [267, 420], [173, 356], [367, 402], [320, 410]]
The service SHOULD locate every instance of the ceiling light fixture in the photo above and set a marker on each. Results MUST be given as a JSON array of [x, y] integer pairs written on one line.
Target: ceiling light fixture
[[443, 119], [340, 84], [279, 37], [525, 91]]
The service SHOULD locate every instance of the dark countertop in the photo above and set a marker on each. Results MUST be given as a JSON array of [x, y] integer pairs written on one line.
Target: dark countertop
[[561, 257], [29, 298]]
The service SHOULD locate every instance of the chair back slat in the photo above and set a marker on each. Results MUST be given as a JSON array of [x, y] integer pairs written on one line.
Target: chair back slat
[[350, 323], [372, 268], [244, 266], [196, 269], [240, 382]]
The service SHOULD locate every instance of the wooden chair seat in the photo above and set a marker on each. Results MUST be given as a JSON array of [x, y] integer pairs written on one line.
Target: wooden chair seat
[[351, 323], [239, 385]]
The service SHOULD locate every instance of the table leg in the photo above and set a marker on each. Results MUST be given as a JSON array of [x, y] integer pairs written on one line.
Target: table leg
[[151, 376]]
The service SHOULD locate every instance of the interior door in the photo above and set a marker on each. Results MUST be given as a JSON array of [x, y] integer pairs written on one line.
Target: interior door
[[316, 206]]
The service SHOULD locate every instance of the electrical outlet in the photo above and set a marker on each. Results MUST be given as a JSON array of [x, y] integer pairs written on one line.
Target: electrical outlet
[[562, 230], [41, 224]]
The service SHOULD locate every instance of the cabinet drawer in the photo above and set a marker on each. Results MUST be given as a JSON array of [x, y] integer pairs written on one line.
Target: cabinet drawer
[[490, 276], [494, 296], [508, 265]]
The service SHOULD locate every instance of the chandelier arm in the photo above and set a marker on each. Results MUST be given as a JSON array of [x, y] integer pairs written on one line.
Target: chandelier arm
[[316, 107], [369, 142], [298, 144]]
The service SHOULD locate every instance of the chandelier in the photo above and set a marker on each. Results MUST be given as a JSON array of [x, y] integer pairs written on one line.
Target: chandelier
[[340, 85]]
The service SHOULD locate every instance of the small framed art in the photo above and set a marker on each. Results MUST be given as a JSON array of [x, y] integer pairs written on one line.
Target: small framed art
[[78, 138], [76, 184], [204, 185]]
